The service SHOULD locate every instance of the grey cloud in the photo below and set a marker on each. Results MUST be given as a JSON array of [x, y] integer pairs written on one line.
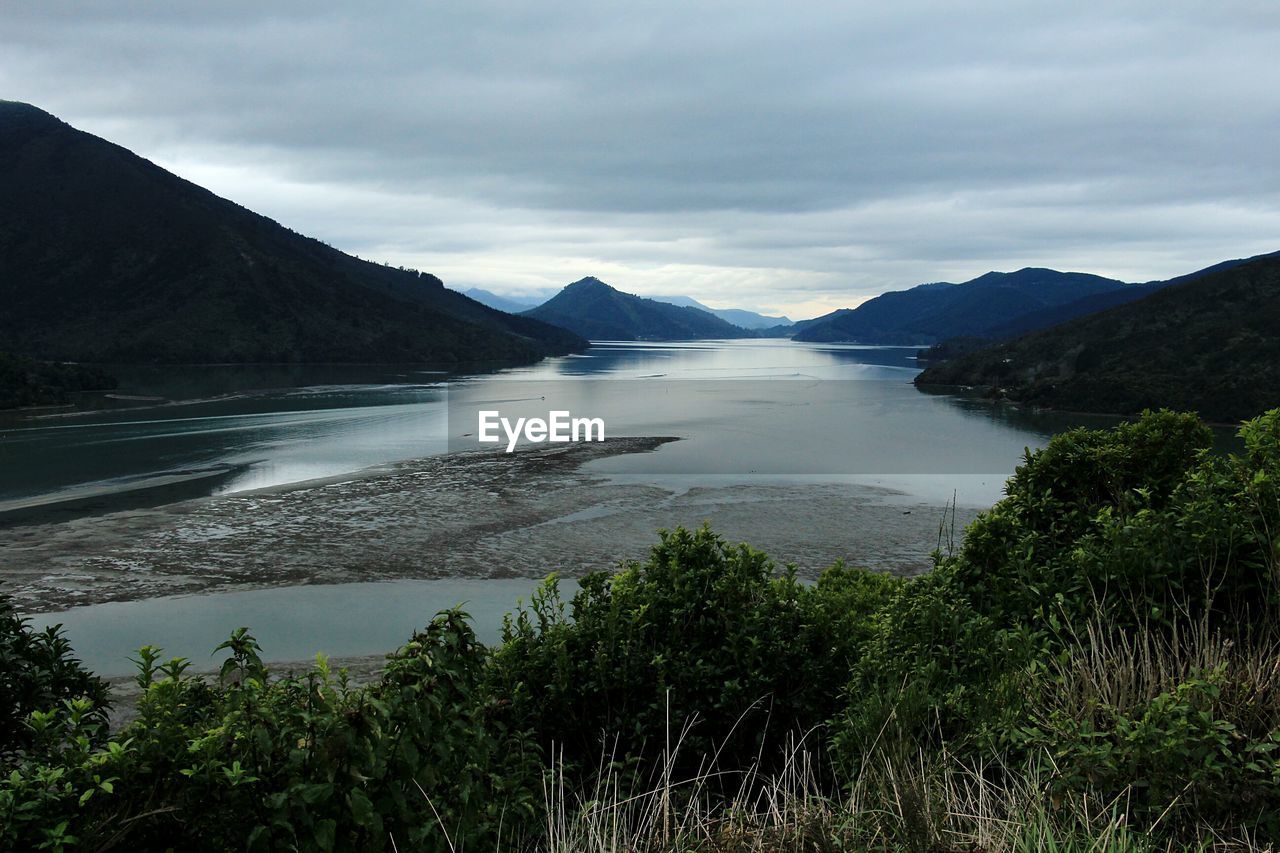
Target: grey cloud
[[774, 154]]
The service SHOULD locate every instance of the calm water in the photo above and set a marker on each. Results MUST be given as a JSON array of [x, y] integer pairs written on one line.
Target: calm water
[[250, 427], [289, 623]]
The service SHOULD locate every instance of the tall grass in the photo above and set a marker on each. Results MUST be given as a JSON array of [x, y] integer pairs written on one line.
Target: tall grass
[[927, 800], [913, 803], [1123, 671], [922, 803]]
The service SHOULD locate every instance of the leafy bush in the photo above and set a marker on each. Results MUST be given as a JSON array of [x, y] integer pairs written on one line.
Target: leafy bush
[[1132, 535], [702, 633], [1020, 562], [935, 672], [1175, 760], [37, 673], [418, 760]]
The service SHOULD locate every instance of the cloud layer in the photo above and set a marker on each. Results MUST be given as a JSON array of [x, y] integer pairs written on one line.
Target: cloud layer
[[792, 158]]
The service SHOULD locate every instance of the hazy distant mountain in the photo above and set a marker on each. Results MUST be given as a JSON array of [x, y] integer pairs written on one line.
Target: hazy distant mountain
[[933, 312], [595, 310], [104, 256], [737, 316], [510, 304], [1206, 343]]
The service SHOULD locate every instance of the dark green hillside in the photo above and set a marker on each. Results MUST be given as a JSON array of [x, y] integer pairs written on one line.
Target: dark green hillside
[[106, 257], [801, 325], [24, 382], [929, 313], [1096, 302], [1055, 314], [595, 310], [1208, 344]]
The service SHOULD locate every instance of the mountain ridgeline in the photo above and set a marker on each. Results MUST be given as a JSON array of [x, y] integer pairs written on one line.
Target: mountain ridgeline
[[751, 320], [993, 305], [596, 311], [106, 257], [1205, 342], [510, 304]]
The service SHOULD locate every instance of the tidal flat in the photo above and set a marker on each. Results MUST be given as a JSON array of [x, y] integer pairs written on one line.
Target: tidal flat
[[461, 515]]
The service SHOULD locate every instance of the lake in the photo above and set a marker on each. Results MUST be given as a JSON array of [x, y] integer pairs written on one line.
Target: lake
[[749, 412], [227, 429]]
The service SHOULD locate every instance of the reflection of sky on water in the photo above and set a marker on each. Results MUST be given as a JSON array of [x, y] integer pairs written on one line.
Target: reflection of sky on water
[[290, 623], [253, 427]]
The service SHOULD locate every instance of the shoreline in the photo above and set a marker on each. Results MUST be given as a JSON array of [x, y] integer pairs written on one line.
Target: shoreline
[[113, 519], [167, 488], [981, 393]]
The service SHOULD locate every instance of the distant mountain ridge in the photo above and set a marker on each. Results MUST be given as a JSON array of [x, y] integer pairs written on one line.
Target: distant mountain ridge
[[800, 325], [740, 317], [1205, 342], [106, 257], [597, 311], [982, 307], [509, 304]]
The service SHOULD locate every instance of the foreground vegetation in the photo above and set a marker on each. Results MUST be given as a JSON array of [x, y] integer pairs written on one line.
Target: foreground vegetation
[[1096, 665]]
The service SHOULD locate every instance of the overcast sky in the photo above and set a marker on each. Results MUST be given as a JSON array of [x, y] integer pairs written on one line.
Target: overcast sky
[[790, 157]]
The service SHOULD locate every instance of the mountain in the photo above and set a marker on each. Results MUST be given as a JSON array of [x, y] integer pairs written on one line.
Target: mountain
[[978, 308], [1055, 314], [1052, 316], [800, 325], [596, 311], [105, 257], [509, 304], [737, 316], [1207, 343]]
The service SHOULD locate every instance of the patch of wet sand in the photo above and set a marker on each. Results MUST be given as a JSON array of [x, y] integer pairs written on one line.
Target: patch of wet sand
[[479, 515]]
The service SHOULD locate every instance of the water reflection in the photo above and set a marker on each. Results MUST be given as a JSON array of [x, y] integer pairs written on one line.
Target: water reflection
[[290, 623], [186, 431]]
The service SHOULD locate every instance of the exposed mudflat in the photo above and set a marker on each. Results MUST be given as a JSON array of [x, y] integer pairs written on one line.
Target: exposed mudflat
[[469, 514]]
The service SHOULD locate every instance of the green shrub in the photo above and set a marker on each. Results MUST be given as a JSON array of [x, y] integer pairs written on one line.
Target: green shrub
[[1175, 761], [935, 672], [1207, 551], [702, 634], [307, 763], [1019, 561], [1105, 536], [39, 673]]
